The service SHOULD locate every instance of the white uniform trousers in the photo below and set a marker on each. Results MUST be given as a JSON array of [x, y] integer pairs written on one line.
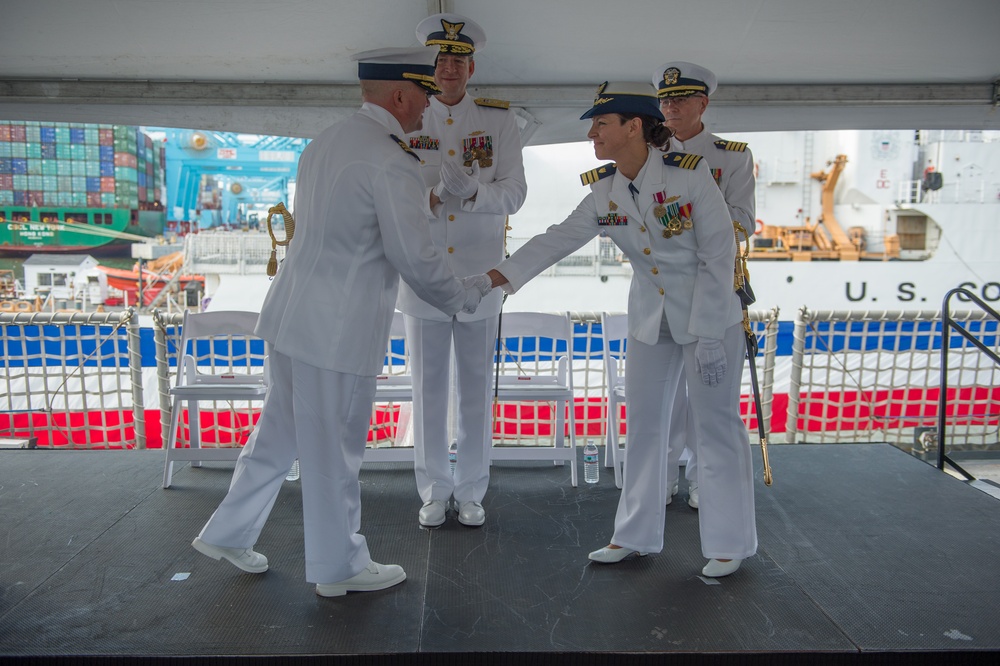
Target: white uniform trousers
[[320, 417], [430, 344], [680, 439], [725, 483]]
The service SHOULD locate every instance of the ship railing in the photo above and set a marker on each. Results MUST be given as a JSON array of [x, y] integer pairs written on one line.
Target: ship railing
[[928, 137], [228, 252], [72, 380], [247, 253], [978, 339], [953, 191], [101, 381], [875, 376], [600, 257]]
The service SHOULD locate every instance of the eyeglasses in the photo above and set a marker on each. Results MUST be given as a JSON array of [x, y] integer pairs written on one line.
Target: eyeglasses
[[677, 101]]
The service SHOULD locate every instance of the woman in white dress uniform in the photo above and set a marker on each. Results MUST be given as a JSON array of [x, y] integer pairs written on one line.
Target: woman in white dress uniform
[[668, 216]]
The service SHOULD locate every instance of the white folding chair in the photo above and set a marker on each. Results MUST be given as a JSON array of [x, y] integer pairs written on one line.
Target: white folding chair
[[214, 363], [393, 386], [533, 368], [614, 333]]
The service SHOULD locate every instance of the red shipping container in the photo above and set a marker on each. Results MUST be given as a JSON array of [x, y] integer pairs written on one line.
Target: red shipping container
[[5, 132], [6, 181], [36, 198], [107, 184], [124, 159], [142, 194], [18, 134], [93, 199], [106, 137]]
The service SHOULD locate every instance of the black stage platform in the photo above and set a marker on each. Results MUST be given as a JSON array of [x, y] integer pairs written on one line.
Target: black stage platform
[[867, 555]]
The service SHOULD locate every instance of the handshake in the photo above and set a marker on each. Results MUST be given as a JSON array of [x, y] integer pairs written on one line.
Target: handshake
[[476, 287], [456, 181]]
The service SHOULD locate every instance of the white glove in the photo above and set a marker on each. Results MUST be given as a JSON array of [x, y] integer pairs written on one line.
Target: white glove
[[472, 298], [711, 360], [482, 282], [460, 182]]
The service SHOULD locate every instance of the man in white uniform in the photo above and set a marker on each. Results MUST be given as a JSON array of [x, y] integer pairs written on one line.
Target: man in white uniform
[[684, 89], [360, 225], [470, 161]]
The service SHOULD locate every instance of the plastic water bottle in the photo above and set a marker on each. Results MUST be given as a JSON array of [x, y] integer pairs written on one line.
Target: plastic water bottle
[[293, 473], [591, 468], [452, 456]]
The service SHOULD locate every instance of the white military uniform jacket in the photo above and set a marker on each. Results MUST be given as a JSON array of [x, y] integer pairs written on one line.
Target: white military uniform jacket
[[470, 232], [731, 163], [360, 222], [688, 276]]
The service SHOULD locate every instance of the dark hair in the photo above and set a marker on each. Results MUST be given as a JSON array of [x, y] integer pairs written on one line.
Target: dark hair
[[653, 131]]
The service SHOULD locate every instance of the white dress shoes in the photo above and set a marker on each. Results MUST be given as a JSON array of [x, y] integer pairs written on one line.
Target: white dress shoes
[[717, 569], [609, 555], [373, 577], [471, 514], [693, 496], [432, 513], [670, 495], [244, 558]]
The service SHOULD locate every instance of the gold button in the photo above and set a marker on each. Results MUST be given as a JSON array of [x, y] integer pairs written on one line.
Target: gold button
[[449, 121], [451, 152], [645, 250], [656, 271], [661, 291], [451, 218], [642, 229], [451, 250]]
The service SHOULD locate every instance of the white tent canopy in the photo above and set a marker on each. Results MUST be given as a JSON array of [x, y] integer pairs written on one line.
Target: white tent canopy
[[283, 66]]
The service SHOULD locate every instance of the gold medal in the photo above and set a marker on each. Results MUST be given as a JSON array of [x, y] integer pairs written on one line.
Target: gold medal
[[659, 211], [666, 233], [688, 224]]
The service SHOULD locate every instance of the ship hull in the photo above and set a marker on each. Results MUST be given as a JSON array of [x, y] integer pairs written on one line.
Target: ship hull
[[96, 231]]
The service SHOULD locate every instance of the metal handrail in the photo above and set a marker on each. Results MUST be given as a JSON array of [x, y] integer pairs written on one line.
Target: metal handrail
[[947, 323]]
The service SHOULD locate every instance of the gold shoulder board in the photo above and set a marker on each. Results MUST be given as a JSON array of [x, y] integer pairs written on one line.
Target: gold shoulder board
[[682, 160], [737, 146], [494, 103], [405, 147], [594, 175]]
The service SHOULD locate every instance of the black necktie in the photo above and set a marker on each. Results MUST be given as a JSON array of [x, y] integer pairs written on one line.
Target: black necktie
[[634, 190]]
